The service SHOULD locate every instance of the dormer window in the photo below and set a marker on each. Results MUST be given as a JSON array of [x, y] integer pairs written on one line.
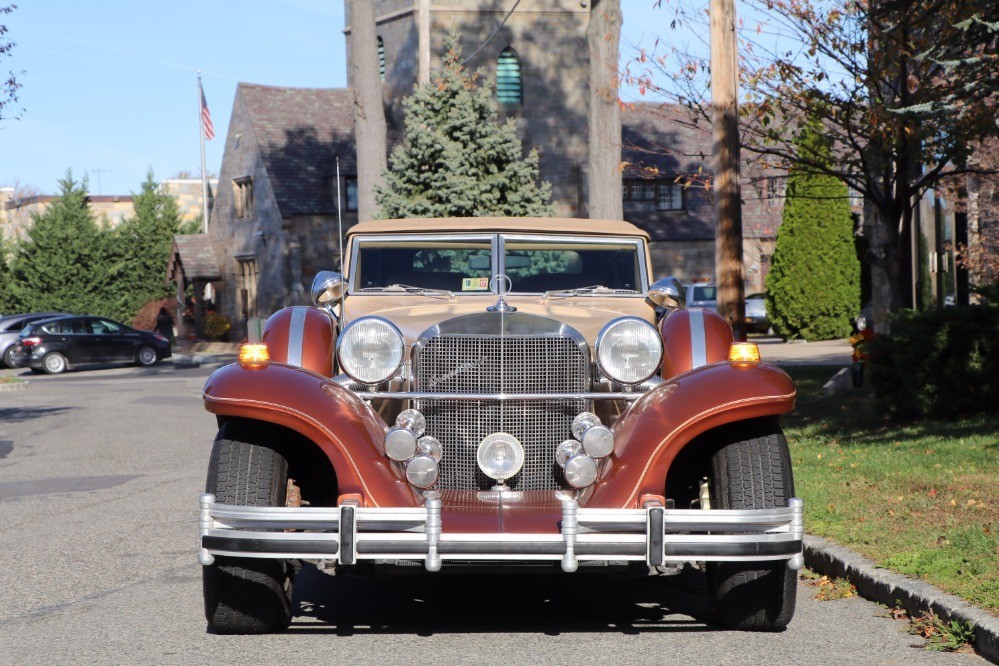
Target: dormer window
[[509, 88]]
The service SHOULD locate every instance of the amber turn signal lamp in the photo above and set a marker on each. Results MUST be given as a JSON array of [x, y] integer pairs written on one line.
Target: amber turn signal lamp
[[744, 353], [254, 356]]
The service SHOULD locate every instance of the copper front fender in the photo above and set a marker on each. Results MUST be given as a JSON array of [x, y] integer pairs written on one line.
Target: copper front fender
[[342, 425], [661, 423]]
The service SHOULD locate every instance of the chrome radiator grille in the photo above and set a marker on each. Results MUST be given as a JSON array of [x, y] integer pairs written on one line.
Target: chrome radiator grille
[[493, 364]]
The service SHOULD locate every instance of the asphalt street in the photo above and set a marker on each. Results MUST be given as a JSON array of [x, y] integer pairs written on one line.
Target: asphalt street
[[100, 472]]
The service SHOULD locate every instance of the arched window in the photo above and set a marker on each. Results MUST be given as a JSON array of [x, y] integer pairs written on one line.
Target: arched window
[[381, 59], [509, 89]]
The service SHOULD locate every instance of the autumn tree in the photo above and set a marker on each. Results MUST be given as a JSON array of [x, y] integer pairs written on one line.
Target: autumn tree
[[9, 85], [904, 90], [457, 160]]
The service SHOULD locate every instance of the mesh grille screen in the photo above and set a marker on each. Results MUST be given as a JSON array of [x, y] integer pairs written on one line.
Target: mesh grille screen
[[461, 364]]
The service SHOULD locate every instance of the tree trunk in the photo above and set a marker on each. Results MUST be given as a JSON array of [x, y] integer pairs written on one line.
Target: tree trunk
[[369, 109], [728, 218], [603, 35]]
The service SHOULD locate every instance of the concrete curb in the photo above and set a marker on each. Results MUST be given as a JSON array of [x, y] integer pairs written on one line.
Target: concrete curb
[[894, 589]]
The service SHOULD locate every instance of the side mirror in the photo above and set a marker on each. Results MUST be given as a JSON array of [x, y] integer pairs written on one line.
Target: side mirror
[[327, 288], [667, 294]]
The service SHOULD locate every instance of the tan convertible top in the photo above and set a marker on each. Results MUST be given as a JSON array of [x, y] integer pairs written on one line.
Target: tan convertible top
[[560, 225]]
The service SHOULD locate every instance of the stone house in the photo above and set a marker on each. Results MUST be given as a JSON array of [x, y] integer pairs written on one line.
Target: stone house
[[275, 222]]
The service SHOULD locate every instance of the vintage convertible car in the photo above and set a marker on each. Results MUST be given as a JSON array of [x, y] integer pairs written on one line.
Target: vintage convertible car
[[493, 393]]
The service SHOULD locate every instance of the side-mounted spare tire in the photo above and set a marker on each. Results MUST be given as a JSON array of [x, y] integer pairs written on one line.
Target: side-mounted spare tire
[[753, 473], [247, 595]]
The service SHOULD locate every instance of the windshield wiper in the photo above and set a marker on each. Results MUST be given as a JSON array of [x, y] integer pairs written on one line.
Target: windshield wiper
[[410, 289], [593, 289]]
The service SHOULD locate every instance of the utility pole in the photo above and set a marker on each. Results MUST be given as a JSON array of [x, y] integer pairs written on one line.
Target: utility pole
[[728, 217]]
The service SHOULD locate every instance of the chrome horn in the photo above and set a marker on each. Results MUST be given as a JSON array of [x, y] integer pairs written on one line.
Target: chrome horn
[[666, 295], [327, 289]]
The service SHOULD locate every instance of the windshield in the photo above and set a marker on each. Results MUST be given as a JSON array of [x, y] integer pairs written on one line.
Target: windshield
[[533, 264]]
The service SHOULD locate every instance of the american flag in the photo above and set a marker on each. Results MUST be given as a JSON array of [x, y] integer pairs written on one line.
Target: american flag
[[206, 116]]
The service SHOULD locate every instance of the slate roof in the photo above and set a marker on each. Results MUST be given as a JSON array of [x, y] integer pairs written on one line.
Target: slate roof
[[193, 256], [301, 132], [658, 138]]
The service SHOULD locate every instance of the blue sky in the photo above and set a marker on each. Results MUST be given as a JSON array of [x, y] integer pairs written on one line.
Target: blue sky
[[110, 87]]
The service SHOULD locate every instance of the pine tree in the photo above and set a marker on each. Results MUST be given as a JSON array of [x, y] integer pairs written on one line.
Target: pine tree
[[6, 296], [138, 251], [457, 159], [813, 288], [62, 265]]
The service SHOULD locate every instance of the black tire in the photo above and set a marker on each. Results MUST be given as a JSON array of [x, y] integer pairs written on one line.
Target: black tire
[[247, 595], [54, 363], [8, 357], [146, 356], [752, 474]]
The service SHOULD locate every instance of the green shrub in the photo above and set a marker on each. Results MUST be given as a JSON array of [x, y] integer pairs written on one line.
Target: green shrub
[[216, 327], [813, 287], [938, 363]]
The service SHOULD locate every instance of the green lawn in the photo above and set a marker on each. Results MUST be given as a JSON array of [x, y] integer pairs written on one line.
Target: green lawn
[[920, 498]]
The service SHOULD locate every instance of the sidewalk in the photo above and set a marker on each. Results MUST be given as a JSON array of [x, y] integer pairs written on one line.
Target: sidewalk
[[835, 353]]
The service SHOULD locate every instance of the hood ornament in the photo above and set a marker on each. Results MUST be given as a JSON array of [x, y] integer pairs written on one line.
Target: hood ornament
[[501, 304]]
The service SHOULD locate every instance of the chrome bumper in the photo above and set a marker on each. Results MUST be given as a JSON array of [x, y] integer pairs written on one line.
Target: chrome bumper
[[348, 533]]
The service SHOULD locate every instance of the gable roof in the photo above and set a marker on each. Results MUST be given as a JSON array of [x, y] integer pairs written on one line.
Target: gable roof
[[301, 132], [193, 257]]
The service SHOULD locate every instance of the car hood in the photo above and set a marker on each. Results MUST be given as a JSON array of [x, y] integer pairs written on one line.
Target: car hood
[[586, 314]]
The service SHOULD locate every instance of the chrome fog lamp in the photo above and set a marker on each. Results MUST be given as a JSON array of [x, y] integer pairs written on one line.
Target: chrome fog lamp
[[401, 441], [370, 350], [597, 439], [566, 450], [629, 350], [422, 471], [500, 456], [580, 471], [430, 446]]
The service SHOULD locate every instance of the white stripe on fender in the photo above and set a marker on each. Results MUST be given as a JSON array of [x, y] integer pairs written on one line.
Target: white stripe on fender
[[296, 335], [698, 342]]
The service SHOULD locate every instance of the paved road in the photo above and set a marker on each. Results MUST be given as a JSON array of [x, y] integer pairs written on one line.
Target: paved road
[[99, 477]]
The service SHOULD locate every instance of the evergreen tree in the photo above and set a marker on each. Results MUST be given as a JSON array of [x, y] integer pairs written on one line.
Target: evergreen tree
[[6, 296], [62, 266], [457, 159], [138, 252], [813, 288]]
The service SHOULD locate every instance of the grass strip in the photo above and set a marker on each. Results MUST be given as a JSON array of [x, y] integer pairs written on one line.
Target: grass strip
[[920, 498]]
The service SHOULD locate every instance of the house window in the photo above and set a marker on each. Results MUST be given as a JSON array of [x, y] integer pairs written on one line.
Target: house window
[[350, 191], [669, 196], [509, 89], [242, 195], [381, 59], [773, 187], [652, 194]]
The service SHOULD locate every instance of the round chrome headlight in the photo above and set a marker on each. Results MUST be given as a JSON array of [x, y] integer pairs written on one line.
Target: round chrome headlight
[[629, 350], [500, 456], [370, 350]]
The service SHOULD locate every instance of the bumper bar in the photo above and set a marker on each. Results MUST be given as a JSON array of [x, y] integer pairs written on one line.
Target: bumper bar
[[348, 533]]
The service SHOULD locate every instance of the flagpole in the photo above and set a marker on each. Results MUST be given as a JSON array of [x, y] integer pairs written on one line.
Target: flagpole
[[204, 175]]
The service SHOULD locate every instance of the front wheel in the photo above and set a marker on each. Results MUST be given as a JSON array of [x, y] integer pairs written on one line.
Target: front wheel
[[753, 473], [146, 356], [247, 595], [54, 363]]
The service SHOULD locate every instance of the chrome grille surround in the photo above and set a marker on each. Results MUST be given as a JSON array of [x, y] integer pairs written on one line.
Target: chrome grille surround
[[500, 353]]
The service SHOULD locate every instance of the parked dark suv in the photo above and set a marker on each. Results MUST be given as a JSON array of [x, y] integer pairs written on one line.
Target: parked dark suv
[[52, 345]]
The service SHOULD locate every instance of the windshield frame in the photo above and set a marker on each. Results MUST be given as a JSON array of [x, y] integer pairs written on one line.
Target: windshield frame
[[497, 243]]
